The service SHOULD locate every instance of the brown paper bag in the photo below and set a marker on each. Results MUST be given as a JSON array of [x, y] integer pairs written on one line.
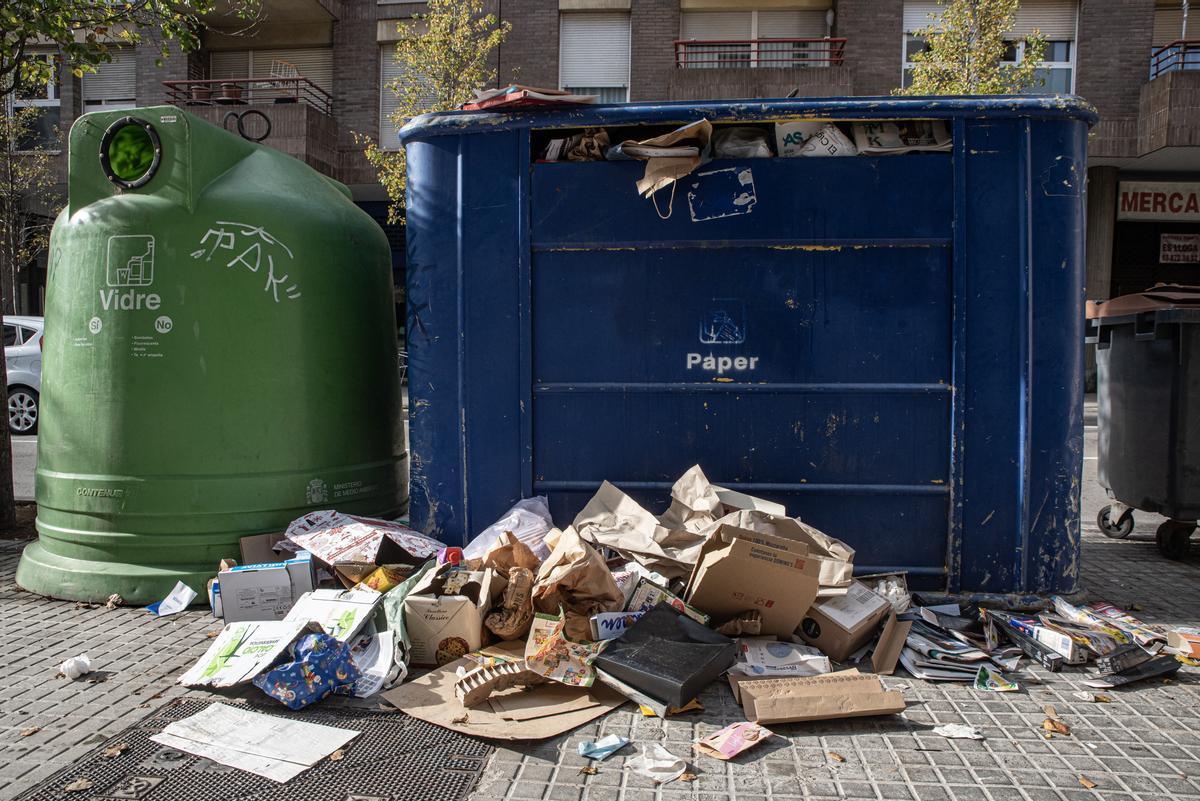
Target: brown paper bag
[[575, 579], [509, 552]]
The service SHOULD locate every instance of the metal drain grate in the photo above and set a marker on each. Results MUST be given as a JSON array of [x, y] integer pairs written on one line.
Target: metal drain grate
[[395, 758]]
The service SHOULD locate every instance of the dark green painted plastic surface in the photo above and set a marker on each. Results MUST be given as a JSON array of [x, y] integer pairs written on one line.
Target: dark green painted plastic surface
[[219, 359]]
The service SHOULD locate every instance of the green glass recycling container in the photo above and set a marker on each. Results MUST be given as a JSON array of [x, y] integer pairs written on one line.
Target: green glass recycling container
[[219, 358]]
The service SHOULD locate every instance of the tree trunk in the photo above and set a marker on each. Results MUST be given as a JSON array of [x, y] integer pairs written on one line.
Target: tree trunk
[[8, 509]]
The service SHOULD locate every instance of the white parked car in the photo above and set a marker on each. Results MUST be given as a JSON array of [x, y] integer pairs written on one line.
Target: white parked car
[[23, 355]]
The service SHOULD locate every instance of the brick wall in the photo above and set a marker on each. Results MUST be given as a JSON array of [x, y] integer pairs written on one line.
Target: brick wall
[[874, 50], [1112, 62], [530, 53], [707, 84], [356, 71], [654, 29], [178, 66]]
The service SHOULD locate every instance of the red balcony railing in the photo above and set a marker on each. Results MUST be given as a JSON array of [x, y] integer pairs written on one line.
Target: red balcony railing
[[1182, 54], [762, 53], [249, 91]]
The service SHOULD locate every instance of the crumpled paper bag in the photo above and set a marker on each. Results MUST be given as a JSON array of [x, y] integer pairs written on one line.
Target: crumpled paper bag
[[575, 578], [669, 546]]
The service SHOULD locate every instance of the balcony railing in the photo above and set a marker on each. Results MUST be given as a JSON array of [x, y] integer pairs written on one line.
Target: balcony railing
[[760, 53], [249, 91], [1182, 54]]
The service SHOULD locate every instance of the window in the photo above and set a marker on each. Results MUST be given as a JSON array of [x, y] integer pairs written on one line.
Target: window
[[1169, 53], [10, 335], [389, 72], [113, 84], [1054, 19], [723, 39], [27, 335], [594, 54], [45, 98]]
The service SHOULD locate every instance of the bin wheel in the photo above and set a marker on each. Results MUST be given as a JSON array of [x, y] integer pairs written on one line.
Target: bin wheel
[[1118, 529], [1174, 538]]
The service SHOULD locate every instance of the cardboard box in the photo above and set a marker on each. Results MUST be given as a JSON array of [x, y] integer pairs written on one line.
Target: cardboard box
[[1186, 641], [443, 628], [793, 699], [263, 592], [739, 570], [840, 626], [257, 549]]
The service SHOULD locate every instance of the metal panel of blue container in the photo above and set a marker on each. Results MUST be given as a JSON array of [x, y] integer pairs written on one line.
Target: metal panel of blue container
[[890, 345]]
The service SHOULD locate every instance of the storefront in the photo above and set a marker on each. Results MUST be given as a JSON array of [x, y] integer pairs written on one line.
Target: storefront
[[1157, 233]]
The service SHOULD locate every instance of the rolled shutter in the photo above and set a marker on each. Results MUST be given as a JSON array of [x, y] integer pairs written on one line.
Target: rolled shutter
[[314, 63], [791, 24], [718, 25], [1168, 25], [594, 49], [389, 102], [918, 16], [115, 81], [229, 64], [1055, 19]]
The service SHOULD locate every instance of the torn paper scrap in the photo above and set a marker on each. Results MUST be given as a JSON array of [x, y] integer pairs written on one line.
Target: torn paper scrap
[[602, 748], [958, 731], [991, 680], [657, 764], [549, 653], [276, 748], [732, 740], [179, 598]]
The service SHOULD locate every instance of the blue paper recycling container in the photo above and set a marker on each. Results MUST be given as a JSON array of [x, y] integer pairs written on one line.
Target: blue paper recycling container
[[888, 343]]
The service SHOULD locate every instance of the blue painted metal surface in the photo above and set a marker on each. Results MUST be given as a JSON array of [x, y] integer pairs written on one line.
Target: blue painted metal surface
[[889, 345]]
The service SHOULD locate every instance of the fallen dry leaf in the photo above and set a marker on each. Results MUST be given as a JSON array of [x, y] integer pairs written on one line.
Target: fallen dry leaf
[[687, 777], [337, 755], [836, 757], [1050, 712], [1056, 726], [28, 731], [462, 719], [212, 634], [78, 786], [116, 750], [587, 770], [1088, 783], [1103, 699], [114, 601]]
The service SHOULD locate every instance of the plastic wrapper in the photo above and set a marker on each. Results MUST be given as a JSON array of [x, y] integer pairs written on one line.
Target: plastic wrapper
[[528, 520], [741, 143], [320, 667]]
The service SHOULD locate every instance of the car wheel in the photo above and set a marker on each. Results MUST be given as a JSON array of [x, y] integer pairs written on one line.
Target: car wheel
[[22, 410]]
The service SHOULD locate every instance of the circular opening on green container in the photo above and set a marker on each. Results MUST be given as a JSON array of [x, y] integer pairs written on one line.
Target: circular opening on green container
[[130, 152]]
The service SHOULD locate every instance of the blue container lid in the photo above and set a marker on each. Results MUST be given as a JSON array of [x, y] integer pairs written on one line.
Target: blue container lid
[[449, 123]]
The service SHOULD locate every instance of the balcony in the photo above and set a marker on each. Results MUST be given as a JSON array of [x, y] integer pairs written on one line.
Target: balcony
[[292, 115], [1182, 54], [745, 68]]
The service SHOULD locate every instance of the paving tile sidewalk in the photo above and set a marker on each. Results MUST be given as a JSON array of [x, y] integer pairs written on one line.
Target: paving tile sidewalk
[[1144, 745]]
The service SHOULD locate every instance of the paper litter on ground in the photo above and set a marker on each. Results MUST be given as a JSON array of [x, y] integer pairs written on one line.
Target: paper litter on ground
[[958, 731], [732, 740], [657, 764], [604, 747], [277, 748], [178, 599]]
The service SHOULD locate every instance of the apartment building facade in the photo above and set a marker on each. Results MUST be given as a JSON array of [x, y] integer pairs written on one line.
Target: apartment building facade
[[317, 70]]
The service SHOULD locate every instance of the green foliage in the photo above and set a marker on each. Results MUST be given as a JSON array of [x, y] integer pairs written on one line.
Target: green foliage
[[27, 198], [966, 46], [444, 57], [84, 31]]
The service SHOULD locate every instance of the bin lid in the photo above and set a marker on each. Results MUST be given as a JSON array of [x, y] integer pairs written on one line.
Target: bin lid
[[678, 112], [1159, 297]]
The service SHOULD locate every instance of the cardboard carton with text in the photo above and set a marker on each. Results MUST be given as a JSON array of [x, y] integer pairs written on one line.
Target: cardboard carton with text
[[841, 625], [740, 570]]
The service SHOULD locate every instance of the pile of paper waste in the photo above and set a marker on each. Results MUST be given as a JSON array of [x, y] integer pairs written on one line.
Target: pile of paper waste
[[531, 630]]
